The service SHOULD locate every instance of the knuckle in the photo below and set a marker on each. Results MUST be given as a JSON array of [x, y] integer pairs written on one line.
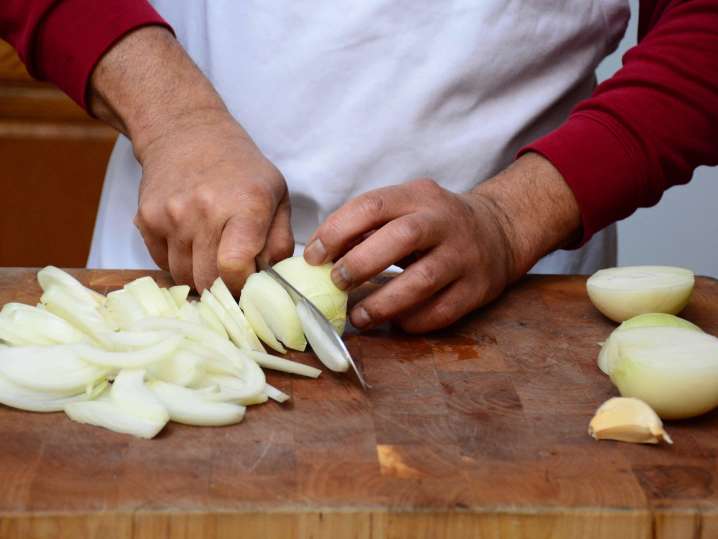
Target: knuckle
[[425, 276], [232, 262], [411, 231], [204, 199], [372, 204], [176, 209], [443, 314], [428, 186], [147, 215]]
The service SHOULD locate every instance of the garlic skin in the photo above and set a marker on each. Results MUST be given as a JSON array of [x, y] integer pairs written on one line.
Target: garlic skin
[[622, 293], [609, 351], [627, 420]]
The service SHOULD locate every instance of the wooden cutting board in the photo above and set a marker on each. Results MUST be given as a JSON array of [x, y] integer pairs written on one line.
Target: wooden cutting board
[[479, 431]]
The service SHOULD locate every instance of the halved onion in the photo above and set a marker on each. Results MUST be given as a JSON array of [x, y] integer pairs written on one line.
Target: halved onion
[[673, 370], [622, 293], [609, 351]]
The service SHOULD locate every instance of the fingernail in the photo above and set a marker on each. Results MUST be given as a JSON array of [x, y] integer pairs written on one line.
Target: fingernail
[[360, 318], [341, 277], [315, 253]]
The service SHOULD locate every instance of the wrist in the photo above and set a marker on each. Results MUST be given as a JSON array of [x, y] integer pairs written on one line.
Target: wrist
[[146, 95], [534, 208]]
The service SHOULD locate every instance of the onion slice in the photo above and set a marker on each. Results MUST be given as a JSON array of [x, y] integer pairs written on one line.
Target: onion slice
[[191, 407], [54, 369]]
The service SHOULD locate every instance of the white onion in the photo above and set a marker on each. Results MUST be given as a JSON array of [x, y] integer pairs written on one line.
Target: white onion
[[609, 351], [673, 370], [622, 293]]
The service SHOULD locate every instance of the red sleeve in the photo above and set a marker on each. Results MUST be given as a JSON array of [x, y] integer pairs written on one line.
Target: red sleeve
[[62, 40], [650, 125]]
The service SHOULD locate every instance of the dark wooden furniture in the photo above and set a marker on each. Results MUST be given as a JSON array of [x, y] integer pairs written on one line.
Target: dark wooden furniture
[[52, 162]]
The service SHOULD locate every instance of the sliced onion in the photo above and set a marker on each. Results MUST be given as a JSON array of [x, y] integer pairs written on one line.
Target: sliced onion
[[259, 326], [246, 339], [132, 359], [20, 397], [276, 394], [210, 320], [179, 294], [284, 365], [276, 308], [54, 369], [130, 407], [86, 318], [51, 276], [191, 407], [123, 308], [150, 296]]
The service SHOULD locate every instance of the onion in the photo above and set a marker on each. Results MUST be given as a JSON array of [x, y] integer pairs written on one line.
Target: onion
[[62, 354], [179, 294], [151, 297], [130, 407], [315, 283], [54, 369], [246, 339], [622, 293], [192, 407], [609, 351], [276, 309], [673, 370], [51, 276], [123, 308]]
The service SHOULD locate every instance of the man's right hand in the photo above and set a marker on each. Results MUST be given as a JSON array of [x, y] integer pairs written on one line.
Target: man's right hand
[[210, 202]]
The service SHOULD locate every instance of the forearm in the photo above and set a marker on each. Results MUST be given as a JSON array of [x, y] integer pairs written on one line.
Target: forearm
[[535, 209], [147, 84]]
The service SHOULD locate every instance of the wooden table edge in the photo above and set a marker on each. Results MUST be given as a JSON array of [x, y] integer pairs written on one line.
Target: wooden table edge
[[371, 522]]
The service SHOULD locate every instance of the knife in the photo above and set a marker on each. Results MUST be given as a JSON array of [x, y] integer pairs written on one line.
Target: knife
[[326, 342]]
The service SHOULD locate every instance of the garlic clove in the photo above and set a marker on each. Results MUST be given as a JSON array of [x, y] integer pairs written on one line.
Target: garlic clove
[[627, 420]]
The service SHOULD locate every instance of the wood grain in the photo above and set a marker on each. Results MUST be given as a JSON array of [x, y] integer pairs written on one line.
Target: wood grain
[[477, 431]]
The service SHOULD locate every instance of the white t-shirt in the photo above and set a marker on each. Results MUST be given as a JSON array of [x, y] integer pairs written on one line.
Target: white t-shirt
[[347, 96]]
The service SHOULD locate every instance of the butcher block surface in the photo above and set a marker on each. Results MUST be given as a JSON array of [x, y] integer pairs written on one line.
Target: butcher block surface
[[478, 431]]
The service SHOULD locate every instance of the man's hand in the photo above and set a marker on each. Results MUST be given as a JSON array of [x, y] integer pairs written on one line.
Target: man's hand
[[466, 247], [210, 202]]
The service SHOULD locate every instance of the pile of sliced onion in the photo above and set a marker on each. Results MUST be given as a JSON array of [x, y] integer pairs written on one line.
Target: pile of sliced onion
[[144, 355]]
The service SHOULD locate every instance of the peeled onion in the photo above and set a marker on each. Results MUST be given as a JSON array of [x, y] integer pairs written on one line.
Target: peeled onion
[[622, 293], [674, 370], [609, 351]]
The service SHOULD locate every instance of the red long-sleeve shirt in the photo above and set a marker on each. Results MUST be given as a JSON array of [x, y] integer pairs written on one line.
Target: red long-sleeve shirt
[[643, 130]]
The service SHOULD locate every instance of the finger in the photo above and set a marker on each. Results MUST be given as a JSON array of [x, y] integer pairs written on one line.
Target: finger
[[415, 285], [445, 308], [280, 240], [204, 258], [358, 216], [243, 238], [156, 246], [180, 261], [393, 242]]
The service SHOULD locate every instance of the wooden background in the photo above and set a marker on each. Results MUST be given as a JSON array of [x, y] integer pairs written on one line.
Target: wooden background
[[52, 162]]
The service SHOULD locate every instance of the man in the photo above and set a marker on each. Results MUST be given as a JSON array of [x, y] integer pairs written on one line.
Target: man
[[352, 102]]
